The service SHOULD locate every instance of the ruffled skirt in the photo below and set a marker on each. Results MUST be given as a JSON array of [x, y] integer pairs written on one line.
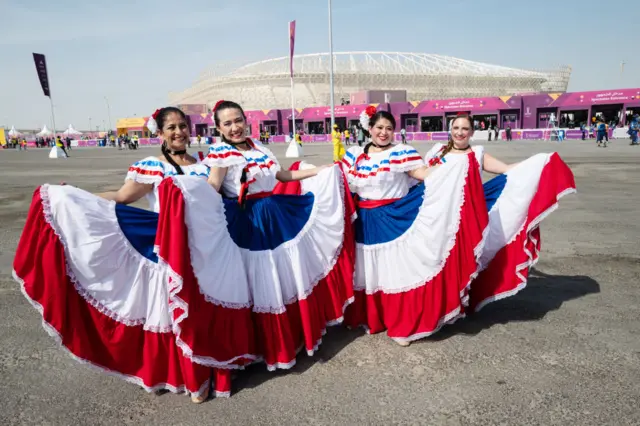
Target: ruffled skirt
[[517, 202], [416, 257], [88, 266], [158, 298], [294, 254]]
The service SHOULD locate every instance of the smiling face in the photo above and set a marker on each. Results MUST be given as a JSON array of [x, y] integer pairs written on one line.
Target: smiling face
[[232, 124], [382, 132], [461, 132], [175, 131]]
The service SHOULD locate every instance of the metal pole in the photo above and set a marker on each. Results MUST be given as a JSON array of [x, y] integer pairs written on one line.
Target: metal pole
[[53, 117], [333, 117], [109, 113], [293, 100], [293, 112]]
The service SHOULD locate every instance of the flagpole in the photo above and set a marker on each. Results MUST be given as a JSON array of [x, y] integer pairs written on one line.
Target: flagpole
[[293, 112], [333, 118], [293, 100], [53, 117]]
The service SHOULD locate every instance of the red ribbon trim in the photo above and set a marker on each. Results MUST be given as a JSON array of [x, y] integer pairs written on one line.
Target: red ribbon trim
[[372, 204]]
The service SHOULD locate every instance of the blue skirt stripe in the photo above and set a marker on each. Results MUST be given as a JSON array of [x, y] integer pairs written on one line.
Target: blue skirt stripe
[[493, 189], [139, 227], [386, 223], [266, 223]]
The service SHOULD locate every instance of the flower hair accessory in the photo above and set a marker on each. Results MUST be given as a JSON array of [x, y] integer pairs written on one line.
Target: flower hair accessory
[[366, 115], [436, 160], [152, 124], [215, 107]]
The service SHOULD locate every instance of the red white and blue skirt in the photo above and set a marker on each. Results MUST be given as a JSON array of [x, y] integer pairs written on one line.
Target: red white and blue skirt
[[158, 299], [451, 245], [416, 257], [517, 202], [291, 255], [88, 266]]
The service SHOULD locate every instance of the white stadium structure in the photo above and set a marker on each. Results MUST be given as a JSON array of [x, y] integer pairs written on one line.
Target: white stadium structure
[[266, 84]]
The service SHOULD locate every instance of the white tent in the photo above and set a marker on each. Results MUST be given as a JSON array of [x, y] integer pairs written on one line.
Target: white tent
[[44, 132], [13, 132], [71, 131]]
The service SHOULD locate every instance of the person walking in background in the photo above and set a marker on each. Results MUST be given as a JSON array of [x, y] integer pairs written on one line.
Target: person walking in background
[[634, 128], [601, 133], [360, 135], [60, 145], [338, 147]]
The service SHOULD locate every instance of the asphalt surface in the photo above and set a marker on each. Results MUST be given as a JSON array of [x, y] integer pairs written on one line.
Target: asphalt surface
[[566, 350]]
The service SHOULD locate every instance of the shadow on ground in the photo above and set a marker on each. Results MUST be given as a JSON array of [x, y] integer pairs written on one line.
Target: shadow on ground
[[336, 339], [544, 293]]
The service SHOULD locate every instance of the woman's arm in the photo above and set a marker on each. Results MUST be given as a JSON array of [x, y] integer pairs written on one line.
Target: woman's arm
[[295, 175], [422, 172], [495, 166], [216, 176], [129, 193]]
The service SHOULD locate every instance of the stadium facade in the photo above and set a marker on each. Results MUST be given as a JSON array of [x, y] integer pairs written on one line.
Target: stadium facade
[[266, 84]]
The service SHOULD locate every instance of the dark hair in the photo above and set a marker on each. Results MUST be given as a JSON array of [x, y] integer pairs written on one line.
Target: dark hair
[[449, 146], [380, 115], [164, 112], [160, 118], [374, 119], [226, 105]]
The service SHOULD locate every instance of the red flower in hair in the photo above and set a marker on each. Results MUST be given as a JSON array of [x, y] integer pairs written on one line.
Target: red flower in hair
[[155, 114], [435, 161], [215, 107], [370, 110]]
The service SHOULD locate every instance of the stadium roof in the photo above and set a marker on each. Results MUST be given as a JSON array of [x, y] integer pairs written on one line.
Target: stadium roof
[[265, 84], [380, 62]]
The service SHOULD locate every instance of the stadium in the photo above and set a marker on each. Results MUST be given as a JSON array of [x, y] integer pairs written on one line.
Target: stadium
[[266, 84]]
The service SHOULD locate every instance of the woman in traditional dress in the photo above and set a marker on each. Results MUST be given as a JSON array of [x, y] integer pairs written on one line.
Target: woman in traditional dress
[[417, 245], [517, 201], [88, 264], [293, 250]]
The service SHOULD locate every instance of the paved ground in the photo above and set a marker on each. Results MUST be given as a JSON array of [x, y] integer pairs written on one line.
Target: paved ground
[[564, 351]]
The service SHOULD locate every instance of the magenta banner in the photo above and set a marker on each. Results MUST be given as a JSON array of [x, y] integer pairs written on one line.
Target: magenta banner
[[440, 136], [533, 134], [262, 115], [599, 97], [316, 138], [471, 104], [320, 113]]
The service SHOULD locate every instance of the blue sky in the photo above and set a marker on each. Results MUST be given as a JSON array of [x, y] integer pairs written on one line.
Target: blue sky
[[134, 54]]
